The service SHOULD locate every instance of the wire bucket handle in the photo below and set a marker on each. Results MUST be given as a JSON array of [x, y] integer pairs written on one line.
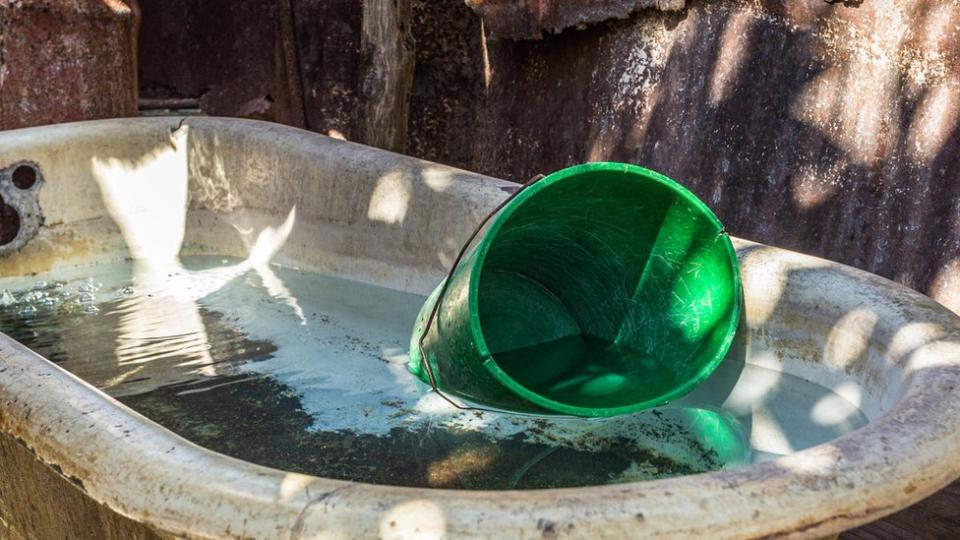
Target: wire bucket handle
[[434, 312]]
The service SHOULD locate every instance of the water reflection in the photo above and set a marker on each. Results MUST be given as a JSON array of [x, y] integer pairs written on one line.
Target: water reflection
[[160, 332]]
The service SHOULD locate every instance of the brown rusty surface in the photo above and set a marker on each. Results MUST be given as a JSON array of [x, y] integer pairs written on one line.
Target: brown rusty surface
[[63, 61], [37, 503], [529, 19]]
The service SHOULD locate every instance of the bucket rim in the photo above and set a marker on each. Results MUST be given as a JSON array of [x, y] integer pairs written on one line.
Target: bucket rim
[[498, 221]]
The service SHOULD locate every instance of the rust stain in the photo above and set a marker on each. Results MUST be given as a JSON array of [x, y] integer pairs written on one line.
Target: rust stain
[[67, 61], [47, 251]]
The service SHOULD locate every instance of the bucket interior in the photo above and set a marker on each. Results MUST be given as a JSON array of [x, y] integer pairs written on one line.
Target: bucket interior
[[607, 288]]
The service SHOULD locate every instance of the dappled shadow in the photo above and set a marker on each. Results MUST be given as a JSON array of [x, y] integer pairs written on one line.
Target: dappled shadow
[[804, 322], [819, 128]]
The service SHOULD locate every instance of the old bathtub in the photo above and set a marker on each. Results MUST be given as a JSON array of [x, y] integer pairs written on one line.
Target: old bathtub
[[73, 458]]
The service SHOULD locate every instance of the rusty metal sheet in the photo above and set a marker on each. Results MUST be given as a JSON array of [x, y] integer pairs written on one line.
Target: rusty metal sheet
[[830, 129], [67, 60], [529, 19]]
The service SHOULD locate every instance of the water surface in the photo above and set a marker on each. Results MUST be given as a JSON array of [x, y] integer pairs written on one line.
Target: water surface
[[307, 373]]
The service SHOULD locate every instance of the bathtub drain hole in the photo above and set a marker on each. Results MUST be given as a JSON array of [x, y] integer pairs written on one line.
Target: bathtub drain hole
[[24, 177], [9, 223]]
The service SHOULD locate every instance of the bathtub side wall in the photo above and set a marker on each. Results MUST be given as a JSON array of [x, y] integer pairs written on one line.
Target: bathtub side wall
[[70, 158], [37, 502], [357, 211]]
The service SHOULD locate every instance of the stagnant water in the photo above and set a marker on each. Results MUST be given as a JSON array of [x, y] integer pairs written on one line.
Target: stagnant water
[[307, 373]]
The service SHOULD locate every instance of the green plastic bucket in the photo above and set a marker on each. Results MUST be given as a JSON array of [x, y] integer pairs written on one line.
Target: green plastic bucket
[[602, 289]]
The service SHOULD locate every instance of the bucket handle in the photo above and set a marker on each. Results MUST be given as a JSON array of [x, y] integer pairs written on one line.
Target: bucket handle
[[443, 291]]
